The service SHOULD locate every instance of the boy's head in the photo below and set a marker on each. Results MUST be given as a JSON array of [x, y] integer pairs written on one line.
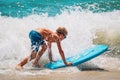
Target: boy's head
[[62, 30]]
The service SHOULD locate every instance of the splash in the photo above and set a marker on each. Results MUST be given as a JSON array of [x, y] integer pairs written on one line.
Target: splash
[[82, 28]]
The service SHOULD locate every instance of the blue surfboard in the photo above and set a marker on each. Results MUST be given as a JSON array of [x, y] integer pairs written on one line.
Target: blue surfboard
[[79, 58]]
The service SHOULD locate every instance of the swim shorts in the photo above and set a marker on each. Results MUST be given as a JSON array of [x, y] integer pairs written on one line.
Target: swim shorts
[[36, 40]]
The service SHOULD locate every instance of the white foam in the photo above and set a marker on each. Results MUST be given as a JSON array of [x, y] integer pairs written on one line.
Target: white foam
[[107, 62]]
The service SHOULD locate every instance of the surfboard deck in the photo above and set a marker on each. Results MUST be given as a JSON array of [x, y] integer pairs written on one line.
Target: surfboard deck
[[79, 58]]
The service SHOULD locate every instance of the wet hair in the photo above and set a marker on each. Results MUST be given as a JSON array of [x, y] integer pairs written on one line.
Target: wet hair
[[62, 30]]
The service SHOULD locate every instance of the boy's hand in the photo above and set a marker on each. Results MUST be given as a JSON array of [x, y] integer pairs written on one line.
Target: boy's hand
[[69, 64]]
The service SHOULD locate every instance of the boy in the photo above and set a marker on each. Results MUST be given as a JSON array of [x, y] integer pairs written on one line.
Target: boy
[[38, 38]]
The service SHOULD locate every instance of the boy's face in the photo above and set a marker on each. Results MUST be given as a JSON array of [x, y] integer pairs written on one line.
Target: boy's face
[[61, 37]]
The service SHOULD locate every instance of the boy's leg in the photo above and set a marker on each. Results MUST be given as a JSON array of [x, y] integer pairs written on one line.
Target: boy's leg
[[32, 56], [39, 54], [25, 60]]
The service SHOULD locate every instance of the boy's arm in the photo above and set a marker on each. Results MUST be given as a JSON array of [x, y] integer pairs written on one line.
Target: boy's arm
[[50, 52], [62, 54]]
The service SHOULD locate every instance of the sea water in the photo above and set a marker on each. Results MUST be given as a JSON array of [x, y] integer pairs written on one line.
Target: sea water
[[88, 22]]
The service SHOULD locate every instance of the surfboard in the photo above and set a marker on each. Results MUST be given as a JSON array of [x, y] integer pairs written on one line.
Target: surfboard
[[79, 58]]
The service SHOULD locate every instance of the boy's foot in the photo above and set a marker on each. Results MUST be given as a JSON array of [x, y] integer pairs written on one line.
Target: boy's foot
[[36, 65], [18, 67]]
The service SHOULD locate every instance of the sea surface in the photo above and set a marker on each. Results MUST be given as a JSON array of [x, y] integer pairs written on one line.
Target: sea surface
[[89, 22]]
